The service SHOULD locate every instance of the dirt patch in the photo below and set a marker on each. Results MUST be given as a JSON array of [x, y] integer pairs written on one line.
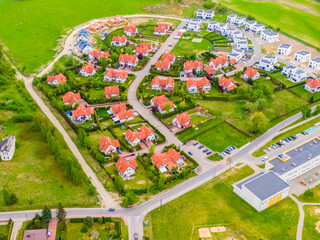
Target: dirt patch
[[318, 226], [137, 21], [109, 164], [204, 233], [141, 182]]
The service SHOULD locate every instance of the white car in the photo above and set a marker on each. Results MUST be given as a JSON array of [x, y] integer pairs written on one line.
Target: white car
[[265, 158], [49, 233]]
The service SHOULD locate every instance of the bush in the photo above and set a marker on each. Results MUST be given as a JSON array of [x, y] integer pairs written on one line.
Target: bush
[[84, 229], [88, 222], [22, 117]]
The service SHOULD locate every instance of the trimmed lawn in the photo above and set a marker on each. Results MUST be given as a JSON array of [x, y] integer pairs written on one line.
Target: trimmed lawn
[[186, 46], [195, 119], [221, 136], [316, 196], [97, 94], [39, 25], [260, 152], [215, 203], [310, 221], [305, 94], [215, 157]]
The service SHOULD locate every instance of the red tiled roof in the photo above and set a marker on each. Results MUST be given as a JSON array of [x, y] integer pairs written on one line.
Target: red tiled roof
[[142, 50], [71, 98], [192, 65], [165, 25], [125, 114], [160, 29], [198, 83], [121, 39], [225, 82], [184, 119], [60, 78], [168, 55], [122, 165], [163, 82], [105, 142], [163, 64], [169, 158], [158, 100], [143, 133], [128, 58], [118, 108], [105, 55], [220, 60], [88, 68], [313, 83], [132, 28], [113, 74], [233, 61], [96, 53], [82, 111], [146, 45], [209, 69], [251, 72], [110, 90]]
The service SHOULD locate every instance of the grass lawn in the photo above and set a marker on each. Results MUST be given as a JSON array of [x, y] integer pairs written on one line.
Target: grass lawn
[[186, 46], [310, 220], [260, 152], [4, 230], [283, 79], [222, 136], [305, 94], [291, 17], [316, 196], [215, 203], [215, 157], [197, 118], [97, 93], [39, 25]]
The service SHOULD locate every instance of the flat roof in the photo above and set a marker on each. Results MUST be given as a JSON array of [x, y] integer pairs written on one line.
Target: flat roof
[[37, 234], [264, 185], [298, 156], [316, 59], [284, 45], [269, 32], [303, 52]]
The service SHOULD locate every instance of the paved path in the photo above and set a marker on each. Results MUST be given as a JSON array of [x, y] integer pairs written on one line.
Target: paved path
[[17, 224], [53, 228]]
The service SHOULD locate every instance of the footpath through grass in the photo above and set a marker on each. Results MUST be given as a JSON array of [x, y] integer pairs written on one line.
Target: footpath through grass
[[215, 203]]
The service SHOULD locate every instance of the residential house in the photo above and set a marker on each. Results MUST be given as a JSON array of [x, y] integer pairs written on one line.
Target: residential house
[[108, 146], [117, 108], [212, 26], [56, 79], [209, 69], [196, 85], [130, 30], [269, 36], [71, 98], [170, 56], [288, 70], [201, 14], [111, 91], [119, 41], [182, 120], [160, 102], [196, 66], [315, 63], [83, 35], [251, 73], [158, 84], [123, 116], [36, 234], [82, 114], [240, 42], [194, 25], [97, 54], [126, 168], [227, 84], [257, 28], [312, 85], [143, 134], [163, 65], [83, 47], [126, 60], [167, 161], [96, 26], [209, 14], [294, 73], [250, 24], [240, 21], [236, 54], [302, 56], [142, 50], [231, 18], [88, 70], [267, 62], [112, 75], [222, 28], [7, 147], [161, 29], [219, 63], [284, 49]]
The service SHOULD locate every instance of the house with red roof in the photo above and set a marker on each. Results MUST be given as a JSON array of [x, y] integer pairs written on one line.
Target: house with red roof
[[71, 98], [146, 45], [97, 54], [126, 168], [209, 69], [119, 41], [196, 66], [56, 79], [170, 56], [158, 84], [227, 84], [130, 30], [96, 26], [251, 73], [167, 161], [126, 60], [108, 146], [117, 108], [136, 137], [160, 102], [163, 65], [312, 85], [88, 70], [182, 120], [161, 29], [142, 50], [195, 86], [111, 91], [123, 116], [219, 63], [112, 76], [82, 114]]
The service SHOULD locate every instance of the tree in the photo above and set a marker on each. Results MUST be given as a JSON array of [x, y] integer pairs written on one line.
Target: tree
[[104, 62], [88, 222], [259, 122], [306, 111], [6, 197], [152, 148], [118, 182], [130, 198], [308, 193], [61, 213], [46, 214]]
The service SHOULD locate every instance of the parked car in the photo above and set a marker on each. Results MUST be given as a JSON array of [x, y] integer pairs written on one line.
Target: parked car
[[227, 152], [294, 137], [190, 153], [111, 209], [265, 158], [222, 154], [287, 139], [206, 150], [119, 151], [201, 146], [208, 153], [233, 147], [195, 143], [303, 133], [135, 236], [49, 233]]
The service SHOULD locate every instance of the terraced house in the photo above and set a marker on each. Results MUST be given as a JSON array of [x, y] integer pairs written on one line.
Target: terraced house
[[194, 86], [167, 161], [158, 84]]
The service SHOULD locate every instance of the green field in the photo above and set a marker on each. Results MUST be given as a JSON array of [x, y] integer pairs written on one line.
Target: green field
[[215, 203], [295, 17], [30, 29], [315, 198], [310, 220], [186, 46]]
